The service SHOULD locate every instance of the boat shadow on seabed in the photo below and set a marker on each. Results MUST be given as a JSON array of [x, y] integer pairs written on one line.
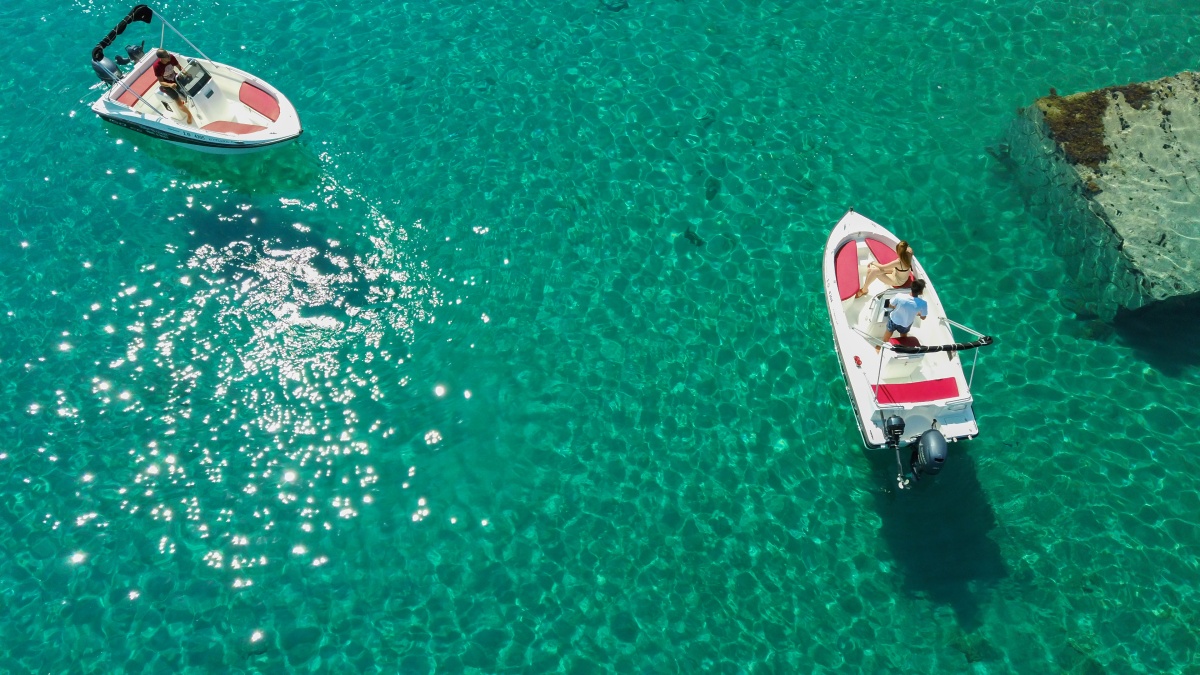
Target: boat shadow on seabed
[[288, 168], [937, 533]]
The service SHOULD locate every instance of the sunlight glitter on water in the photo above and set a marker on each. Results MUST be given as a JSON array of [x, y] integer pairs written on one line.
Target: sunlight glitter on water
[[647, 463], [258, 334]]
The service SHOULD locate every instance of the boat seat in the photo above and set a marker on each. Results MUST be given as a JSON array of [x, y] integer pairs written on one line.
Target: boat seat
[[141, 85], [898, 365], [917, 392], [259, 101], [885, 254], [845, 263]]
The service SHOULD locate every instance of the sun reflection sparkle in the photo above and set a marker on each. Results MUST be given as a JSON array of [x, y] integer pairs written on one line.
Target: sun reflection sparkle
[[249, 369]]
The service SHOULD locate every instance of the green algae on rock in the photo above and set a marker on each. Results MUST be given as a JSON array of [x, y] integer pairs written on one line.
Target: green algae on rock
[[1076, 122]]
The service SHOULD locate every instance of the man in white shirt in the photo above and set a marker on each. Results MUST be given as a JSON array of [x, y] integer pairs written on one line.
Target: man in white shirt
[[905, 310]]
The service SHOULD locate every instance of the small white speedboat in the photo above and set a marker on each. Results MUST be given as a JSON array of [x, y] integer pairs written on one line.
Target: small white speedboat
[[233, 111], [912, 391]]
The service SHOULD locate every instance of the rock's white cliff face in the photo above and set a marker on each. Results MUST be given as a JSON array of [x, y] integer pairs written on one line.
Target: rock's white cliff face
[[1123, 196]]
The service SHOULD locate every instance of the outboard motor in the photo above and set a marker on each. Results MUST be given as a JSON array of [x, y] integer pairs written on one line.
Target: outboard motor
[[136, 52], [930, 454], [107, 70], [893, 429]]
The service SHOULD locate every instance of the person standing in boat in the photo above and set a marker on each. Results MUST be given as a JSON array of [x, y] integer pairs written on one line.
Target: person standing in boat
[[894, 274], [167, 69], [905, 310]]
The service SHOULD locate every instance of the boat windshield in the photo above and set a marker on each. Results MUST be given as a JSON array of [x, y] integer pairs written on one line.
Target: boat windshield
[[194, 77]]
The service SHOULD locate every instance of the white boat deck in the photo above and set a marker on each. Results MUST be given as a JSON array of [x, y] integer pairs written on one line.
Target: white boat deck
[[223, 104]]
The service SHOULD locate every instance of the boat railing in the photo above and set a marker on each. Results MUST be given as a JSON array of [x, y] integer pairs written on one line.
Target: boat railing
[[137, 14], [975, 352], [871, 339], [878, 344], [181, 35], [885, 346]]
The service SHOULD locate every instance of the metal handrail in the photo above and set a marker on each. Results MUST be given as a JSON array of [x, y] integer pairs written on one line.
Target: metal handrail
[[975, 356], [879, 374], [870, 338], [168, 24], [956, 324]]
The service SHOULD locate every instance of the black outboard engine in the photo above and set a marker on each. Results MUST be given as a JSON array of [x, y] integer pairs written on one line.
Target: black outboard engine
[[107, 70], [136, 52], [930, 454], [893, 429]]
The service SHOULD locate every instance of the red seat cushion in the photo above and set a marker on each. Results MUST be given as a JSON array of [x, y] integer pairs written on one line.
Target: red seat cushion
[[917, 392], [141, 86], [906, 341], [846, 264], [232, 127], [882, 252], [259, 101], [886, 254]]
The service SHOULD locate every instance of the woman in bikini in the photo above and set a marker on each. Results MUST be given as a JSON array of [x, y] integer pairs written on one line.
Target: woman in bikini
[[894, 273]]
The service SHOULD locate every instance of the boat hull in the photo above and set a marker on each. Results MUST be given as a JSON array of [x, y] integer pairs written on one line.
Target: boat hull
[[240, 113], [201, 142], [925, 390]]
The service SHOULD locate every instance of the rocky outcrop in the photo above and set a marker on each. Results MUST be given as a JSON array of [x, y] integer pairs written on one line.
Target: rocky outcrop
[[1116, 173]]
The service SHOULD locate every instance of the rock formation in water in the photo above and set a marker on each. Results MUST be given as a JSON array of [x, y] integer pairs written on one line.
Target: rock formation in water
[[1116, 173]]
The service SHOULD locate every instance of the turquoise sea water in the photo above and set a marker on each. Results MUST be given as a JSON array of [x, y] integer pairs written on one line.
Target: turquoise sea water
[[443, 388]]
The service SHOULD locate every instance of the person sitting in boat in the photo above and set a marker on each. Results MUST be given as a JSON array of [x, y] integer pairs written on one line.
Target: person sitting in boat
[[167, 69], [894, 273], [905, 310]]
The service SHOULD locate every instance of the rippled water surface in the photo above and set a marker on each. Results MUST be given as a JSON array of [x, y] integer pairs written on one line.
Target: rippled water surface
[[445, 387]]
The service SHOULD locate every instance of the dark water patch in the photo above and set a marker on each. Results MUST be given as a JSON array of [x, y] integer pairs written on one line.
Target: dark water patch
[[293, 167], [721, 245], [229, 223], [937, 532], [1164, 335], [300, 643], [712, 188], [271, 227], [244, 234]]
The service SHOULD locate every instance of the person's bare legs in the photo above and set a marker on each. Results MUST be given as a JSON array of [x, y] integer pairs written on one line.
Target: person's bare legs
[[176, 97], [183, 106], [873, 274]]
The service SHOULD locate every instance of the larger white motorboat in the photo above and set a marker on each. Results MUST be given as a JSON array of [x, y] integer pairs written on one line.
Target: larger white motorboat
[[911, 391], [231, 110]]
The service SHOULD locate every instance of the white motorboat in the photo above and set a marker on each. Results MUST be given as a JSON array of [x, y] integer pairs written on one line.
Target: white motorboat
[[911, 391], [233, 111]]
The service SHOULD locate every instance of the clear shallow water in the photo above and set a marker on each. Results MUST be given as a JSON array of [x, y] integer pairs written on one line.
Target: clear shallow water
[[444, 388]]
